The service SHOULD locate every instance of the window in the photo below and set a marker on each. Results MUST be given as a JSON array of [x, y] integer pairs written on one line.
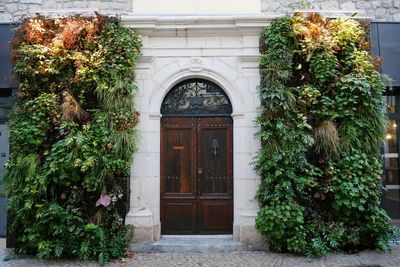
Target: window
[[391, 194], [196, 97]]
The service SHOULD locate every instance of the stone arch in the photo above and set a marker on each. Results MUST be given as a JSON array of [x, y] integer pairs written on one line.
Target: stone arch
[[158, 95]]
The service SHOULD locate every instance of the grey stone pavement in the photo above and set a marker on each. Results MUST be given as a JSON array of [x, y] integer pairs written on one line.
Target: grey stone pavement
[[238, 258]]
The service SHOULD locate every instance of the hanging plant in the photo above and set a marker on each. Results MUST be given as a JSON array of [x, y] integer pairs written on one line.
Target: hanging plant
[[72, 136], [322, 127]]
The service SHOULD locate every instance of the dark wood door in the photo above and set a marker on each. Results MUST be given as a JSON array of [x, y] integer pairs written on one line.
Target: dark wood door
[[196, 176]]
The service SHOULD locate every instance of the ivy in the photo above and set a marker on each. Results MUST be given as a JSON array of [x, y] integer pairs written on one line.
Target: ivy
[[72, 136], [321, 129]]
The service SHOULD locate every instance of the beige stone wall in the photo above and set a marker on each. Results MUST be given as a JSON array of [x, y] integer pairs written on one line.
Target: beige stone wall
[[14, 10], [192, 47]]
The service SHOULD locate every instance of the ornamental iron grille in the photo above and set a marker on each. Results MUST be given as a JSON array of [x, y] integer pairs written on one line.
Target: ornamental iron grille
[[196, 97]]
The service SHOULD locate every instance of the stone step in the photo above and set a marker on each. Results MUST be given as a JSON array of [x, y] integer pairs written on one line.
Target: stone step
[[191, 243]]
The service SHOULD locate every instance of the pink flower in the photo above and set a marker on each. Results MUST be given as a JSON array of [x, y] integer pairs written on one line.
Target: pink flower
[[104, 200]]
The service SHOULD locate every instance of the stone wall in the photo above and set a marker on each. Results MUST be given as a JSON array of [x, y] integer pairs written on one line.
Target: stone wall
[[382, 10], [227, 55], [13, 10]]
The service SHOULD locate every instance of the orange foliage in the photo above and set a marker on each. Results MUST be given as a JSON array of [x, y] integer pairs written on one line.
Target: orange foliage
[[60, 33]]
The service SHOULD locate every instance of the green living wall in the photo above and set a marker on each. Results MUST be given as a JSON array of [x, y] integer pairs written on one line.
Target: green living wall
[[72, 136], [322, 128]]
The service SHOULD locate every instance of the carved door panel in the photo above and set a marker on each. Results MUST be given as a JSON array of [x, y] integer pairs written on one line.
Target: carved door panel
[[178, 176], [196, 176], [215, 189]]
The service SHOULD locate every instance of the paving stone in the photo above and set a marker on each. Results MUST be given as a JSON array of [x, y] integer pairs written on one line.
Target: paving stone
[[231, 259]]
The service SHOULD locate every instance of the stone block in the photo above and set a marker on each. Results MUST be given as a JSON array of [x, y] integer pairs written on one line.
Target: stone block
[[20, 13], [79, 4], [100, 5], [364, 5], [143, 235], [396, 16], [387, 3], [22, 7], [140, 164], [229, 72], [241, 140], [65, 5], [2, 8], [53, 4], [11, 7], [38, 2], [157, 231], [380, 13], [329, 5], [271, 6], [250, 237], [347, 5], [6, 18]]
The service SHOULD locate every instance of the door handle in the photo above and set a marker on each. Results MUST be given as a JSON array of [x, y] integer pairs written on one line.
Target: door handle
[[199, 170]]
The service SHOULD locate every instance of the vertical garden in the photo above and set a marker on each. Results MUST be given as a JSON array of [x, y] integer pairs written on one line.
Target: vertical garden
[[322, 128], [72, 136]]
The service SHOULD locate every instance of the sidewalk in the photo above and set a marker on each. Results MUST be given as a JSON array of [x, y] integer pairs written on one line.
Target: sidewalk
[[238, 258]]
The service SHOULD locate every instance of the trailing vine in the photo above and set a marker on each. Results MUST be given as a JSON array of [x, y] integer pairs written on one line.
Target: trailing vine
[[322, 127], [72, 136]]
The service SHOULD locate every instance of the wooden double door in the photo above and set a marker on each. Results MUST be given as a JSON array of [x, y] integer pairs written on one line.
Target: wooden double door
[[196, 175]]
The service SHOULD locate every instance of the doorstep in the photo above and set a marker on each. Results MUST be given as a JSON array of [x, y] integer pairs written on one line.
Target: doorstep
[[191, 243]]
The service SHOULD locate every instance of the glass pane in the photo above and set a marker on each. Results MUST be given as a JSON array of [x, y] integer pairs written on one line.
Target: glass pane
[[392, 171], [392, 204], [391, 138], [390, 103], [391, 155], [391, 196]]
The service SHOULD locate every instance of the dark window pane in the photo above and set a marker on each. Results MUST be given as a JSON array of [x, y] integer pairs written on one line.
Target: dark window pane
[[392, 203], [390, 104], [391, 138]]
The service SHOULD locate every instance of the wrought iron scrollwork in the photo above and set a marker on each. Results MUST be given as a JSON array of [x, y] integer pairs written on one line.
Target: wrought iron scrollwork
[[196, 97]]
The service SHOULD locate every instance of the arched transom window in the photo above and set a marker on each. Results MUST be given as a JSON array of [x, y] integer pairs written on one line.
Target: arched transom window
[[196, 97]]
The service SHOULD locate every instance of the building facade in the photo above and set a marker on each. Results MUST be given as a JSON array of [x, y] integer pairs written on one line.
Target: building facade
[[192, 173], [14, 10]]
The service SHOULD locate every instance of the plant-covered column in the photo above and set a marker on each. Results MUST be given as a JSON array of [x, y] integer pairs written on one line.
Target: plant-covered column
[[72, 136], [322, 128]]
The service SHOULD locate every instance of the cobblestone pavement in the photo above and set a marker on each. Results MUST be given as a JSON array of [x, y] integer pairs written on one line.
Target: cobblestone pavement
[[231, 259]]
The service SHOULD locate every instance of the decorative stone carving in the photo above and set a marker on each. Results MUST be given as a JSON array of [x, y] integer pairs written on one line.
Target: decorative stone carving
[[196, 65]]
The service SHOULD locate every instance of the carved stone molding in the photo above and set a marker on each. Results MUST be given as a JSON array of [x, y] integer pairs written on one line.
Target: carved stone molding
[[196, 64]]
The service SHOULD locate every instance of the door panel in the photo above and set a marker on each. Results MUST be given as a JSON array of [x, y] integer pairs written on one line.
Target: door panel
[[215, 216], [181, 217], [213, 160], [215, 181], [196, 175], [178, 177]]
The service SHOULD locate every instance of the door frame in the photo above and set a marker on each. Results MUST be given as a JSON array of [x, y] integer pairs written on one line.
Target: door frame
[[194, 123]]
